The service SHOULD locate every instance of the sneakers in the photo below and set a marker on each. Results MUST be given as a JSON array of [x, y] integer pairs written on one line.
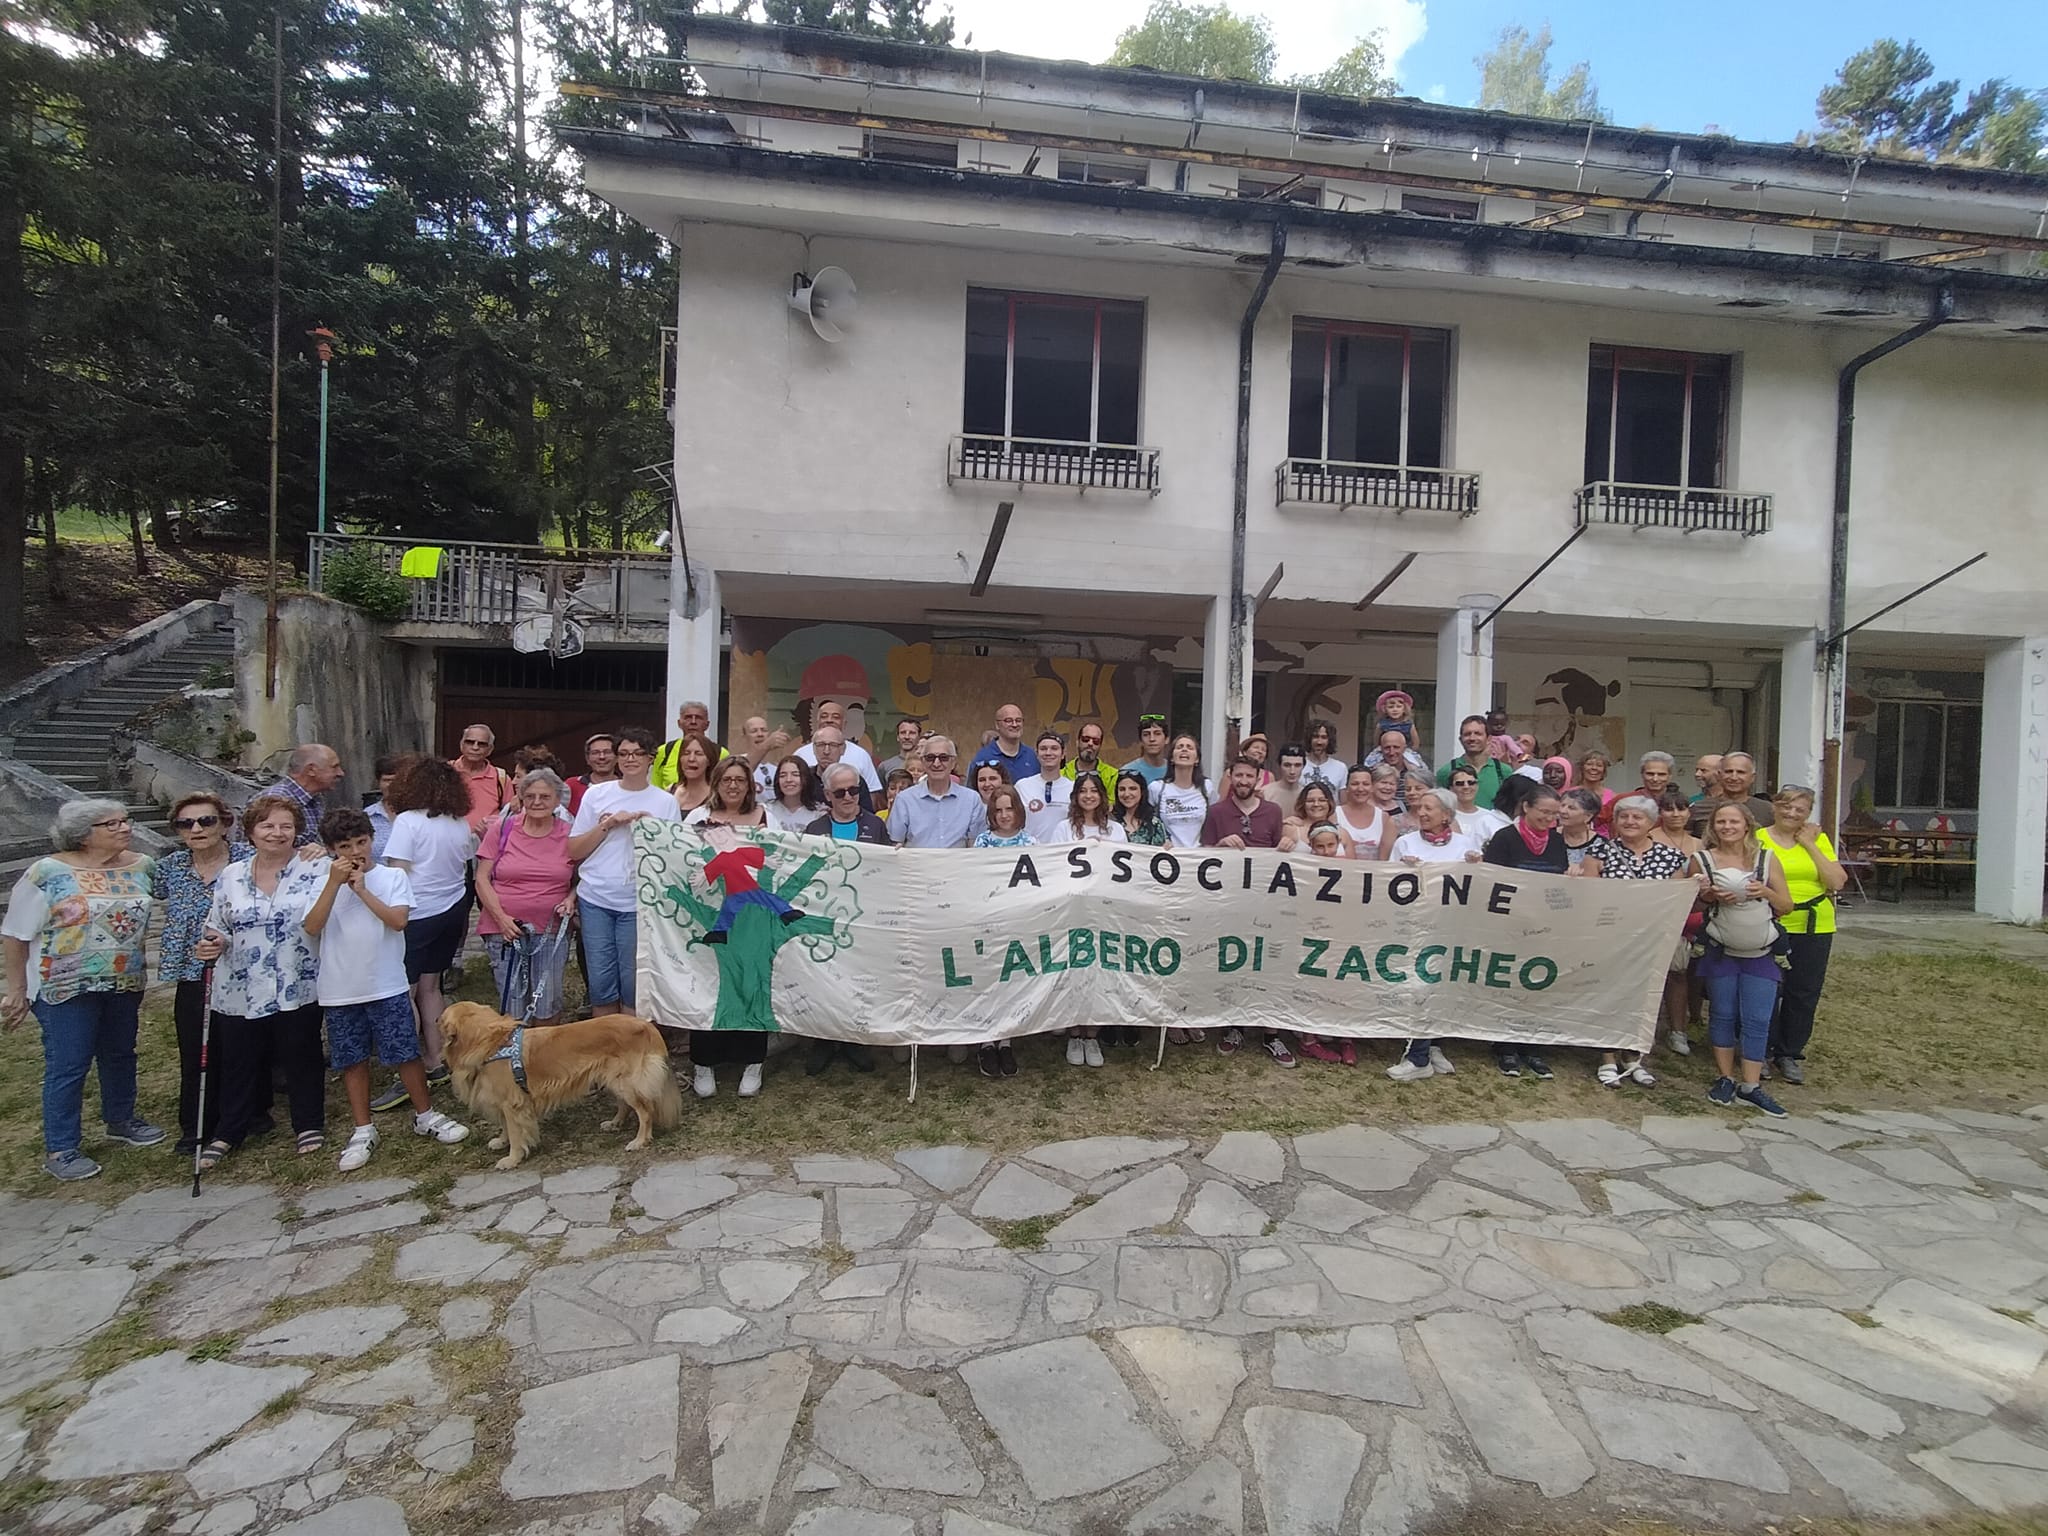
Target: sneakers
[[1347, 1048], [70, 1166], [1538, 1067], [1792, 1070], [1006, 1059], [1075, 1056], [1723, 1091], [1315, 1050], [750, 1080], [1678, 1042], [135, 1133], [989, 1060], [1609, 1075], [1228, 1042], [437, 1125], [1509, 1062], [1439, 1063], [360, 1145], [1406, 1071], [1091, 1053], [1277, 1049], [437, 1077], [1756, 1098], [394, 1095], [703, 1082]]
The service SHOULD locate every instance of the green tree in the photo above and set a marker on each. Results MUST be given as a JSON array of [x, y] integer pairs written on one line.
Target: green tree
[[902, 19], [1210, 41], [1361, 71], [1514, 76], [1884, 100]]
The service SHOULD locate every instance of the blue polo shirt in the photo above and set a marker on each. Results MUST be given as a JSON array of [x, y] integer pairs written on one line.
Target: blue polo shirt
[[1017, 765]]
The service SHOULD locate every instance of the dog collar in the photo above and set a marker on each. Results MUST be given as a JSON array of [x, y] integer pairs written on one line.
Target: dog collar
[[514, 1051]]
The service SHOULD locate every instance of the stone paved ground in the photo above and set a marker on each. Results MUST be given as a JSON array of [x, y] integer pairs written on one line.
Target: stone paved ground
[[1352, 1331]]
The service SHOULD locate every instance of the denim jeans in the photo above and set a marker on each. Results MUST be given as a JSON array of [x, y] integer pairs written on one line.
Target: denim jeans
[[1741, 1005], [608, 944], [91, 1027]]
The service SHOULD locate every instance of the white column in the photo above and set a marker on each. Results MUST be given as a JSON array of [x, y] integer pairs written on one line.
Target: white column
[[1802, 703], [2012, 784], [1215, 686], [693, 659], [1464, 670]]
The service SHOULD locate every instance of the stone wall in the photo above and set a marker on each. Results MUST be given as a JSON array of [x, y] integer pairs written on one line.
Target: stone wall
[[339, 681]]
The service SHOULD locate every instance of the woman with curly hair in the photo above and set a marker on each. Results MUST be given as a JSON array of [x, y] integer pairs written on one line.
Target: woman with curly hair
[[432, 843]]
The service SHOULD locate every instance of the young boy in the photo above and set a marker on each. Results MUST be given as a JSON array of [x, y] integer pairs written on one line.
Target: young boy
[[359, 919]]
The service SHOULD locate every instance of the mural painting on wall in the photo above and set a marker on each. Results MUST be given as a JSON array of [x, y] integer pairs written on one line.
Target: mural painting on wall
[[1568, 715], [782, 669]]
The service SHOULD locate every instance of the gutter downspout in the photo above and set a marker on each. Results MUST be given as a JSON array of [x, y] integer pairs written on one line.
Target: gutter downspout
[[1238, 693], [1835, 659]]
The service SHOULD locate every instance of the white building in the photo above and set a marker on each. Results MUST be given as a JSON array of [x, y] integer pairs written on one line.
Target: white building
[[1467, 338]]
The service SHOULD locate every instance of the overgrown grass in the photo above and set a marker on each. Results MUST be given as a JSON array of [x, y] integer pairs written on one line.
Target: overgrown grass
[[1650, 1317], [1882, 1040]]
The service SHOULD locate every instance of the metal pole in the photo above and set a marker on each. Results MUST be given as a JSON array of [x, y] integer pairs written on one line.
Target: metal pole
[[1238, 680], [1530, 578], [276, 336], [321, 516]]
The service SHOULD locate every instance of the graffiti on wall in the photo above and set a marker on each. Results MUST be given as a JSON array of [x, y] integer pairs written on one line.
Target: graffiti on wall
[[782, 669]]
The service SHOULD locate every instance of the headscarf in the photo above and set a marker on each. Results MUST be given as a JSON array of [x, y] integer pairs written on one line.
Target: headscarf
[[1566, 764]]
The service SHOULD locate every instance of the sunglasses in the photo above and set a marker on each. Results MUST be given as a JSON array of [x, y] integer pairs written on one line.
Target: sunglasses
[[187, 823], [1144, 720], [938, 757], [845, 794]]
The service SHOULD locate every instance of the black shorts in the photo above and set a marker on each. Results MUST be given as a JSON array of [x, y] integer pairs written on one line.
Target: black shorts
[[431, 943]]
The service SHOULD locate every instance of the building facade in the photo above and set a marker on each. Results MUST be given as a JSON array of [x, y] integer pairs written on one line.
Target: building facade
[[1242, 406]]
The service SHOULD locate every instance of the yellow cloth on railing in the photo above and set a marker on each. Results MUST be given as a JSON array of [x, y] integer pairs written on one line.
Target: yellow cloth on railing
[[422, 561]]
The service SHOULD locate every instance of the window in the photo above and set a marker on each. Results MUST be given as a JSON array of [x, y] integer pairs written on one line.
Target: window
[[911, 149], [1656, 418], [1104, 173], [1052, 368], [1432, 205], [1368, 394], [1927, 754], [1577, 219]]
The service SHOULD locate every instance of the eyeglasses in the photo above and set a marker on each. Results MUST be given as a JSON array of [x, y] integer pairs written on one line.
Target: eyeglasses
[[938, 757], [631, 752], [112, 824], [844, 793], [475, 741], [183, 823]]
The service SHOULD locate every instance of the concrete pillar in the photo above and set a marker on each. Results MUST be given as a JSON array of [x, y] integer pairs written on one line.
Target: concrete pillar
[[1802, 704], [2012, 785], [1216, 685], [1464, 671], [693, 658]]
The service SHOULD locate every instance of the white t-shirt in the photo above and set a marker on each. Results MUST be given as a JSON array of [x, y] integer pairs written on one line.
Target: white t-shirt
[[437, 848], [1330, 773], [856, 756], [1182, 811], [361, 960], [782, 819], [1480, 824], [605, 878], [1045, 824], [1409, 845], [1063, 832]]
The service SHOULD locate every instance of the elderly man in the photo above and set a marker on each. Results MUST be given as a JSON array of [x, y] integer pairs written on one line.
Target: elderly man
[[831, 747], [1088, 740], [1737, 787], [692, 719], [831, 716], [1047, 792], [1393, 748], [937, 811], [1007, 750], [489, 786], [309, 773], [764, 751], [1656, 769], [1706, 772], [1489, 770], [846, 821], [909, 733]]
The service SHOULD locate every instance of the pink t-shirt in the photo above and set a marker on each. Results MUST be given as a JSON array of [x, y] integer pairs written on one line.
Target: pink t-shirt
[[531, 876]]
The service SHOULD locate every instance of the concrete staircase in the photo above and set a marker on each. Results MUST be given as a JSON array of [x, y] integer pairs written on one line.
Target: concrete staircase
[[74, 742]]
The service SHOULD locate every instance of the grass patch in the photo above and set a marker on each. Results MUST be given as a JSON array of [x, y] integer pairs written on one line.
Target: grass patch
[[1650, 1317], [1028, 1233], [1805, 1197], [122, 1342], [2017, 1314], [837, 1257], [280, 1405], [20, 1495], [215, 1346], [1862, 1319]]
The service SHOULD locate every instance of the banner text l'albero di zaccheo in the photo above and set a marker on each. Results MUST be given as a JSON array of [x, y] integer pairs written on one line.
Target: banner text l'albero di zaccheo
[[755, 929]]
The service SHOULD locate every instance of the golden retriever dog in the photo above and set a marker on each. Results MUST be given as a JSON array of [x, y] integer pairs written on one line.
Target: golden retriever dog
[[624, 1056]]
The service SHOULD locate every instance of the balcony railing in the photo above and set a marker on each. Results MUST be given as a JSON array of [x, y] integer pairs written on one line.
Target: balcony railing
[[1690, 509], [1343, 485], [1022, 461], [607, 592]]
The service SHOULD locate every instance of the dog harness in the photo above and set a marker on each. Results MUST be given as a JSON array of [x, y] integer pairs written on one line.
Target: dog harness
[[514, 1051]]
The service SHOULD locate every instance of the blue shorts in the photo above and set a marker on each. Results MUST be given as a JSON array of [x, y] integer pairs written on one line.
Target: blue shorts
[[387, 1025]]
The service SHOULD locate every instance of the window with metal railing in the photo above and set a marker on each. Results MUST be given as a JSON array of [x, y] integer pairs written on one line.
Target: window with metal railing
[[1051, 393], [1657, 441], [1368, 415]]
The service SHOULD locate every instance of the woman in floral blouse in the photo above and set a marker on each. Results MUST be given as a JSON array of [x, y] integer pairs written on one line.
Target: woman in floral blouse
[[265, 982], [82, 914], [1135, 812], [184, 883]]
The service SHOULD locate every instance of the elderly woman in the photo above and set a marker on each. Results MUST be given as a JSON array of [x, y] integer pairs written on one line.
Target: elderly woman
[[1743, 887], [1532, 843], [81, 914], [1634, 853], [1576, 812], [184, 883], [1435, 840], [432, 843], [1593, 770], [1814, 878], [524, 880], [266, 980]]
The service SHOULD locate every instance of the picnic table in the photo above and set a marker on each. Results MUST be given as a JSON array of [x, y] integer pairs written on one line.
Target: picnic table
[[1899, 856]]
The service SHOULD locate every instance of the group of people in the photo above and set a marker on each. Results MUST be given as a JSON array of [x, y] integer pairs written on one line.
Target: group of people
[[302, 909]]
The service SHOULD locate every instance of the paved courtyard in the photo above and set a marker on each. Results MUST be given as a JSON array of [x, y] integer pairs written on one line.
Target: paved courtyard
[[1352, 1331]]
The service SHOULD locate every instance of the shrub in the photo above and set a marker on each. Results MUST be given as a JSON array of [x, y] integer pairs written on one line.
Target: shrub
[[357, 577]]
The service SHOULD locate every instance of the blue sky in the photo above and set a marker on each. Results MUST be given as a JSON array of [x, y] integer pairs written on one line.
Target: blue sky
[[1750, 67]]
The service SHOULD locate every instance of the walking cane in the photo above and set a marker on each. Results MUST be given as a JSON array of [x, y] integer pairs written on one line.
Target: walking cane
[[205, 1041]]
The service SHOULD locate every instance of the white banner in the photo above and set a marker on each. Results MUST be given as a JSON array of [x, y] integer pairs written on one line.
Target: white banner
[[851, 941]]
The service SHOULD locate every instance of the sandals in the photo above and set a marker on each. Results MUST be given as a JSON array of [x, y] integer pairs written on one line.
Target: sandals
[[211, 1154], [310, 1142]]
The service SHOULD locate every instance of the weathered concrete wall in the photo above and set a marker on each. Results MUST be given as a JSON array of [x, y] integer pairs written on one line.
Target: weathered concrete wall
[[161, 774], [339, 681]]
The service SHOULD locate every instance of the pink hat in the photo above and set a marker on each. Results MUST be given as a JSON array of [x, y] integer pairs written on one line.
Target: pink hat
[[1403, 695]]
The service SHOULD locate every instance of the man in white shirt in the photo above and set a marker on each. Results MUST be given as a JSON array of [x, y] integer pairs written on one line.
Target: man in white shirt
[[764, 750], [831, 716], [1047, 792], [601, 838]]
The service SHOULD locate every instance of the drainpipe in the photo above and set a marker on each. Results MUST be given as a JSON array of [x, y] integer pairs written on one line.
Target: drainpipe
[[1238, 700], [1836, 657]]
